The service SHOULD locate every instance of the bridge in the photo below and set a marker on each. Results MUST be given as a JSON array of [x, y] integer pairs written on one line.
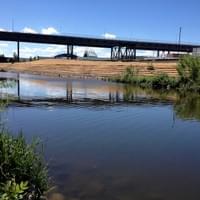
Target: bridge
[[120, 49]]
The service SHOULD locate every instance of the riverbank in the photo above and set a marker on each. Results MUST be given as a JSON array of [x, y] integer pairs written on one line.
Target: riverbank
[[87, 69], [188, 78]]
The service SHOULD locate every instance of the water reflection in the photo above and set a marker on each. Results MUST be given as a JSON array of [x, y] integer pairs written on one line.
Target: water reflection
[[187, 106], [73, 90], [40, 88]]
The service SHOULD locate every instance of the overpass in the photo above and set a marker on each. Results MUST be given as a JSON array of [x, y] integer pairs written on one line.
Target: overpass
[[120, 49]]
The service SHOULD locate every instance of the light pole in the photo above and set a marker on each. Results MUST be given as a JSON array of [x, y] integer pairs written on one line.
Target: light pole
[[180, 34], [179, 39]]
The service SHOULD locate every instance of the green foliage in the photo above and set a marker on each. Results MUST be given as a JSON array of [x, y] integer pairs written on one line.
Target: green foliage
[[188, 106], [189, 69], [188, 79], [13, 191], [22, 163], [161, 81], [23, 172], [129, 74]]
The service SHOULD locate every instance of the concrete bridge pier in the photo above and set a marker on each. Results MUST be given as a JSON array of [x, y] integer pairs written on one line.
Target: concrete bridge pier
[[18, 51], [158, 54], [70, 51], [135, 54]]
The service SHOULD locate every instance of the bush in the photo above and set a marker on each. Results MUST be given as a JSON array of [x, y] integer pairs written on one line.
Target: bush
[[161, 81], [13, 191], [130, 75], [22, 169], [188, 76], [189, 69]]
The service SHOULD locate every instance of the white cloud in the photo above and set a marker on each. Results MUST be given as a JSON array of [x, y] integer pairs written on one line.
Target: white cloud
[[53, 50], [109, 36], [42, 50], [49, 31], [28, 30], [1, 29], [3, 47]]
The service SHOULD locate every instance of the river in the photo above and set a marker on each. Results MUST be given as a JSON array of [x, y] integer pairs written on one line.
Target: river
[[109, 141]]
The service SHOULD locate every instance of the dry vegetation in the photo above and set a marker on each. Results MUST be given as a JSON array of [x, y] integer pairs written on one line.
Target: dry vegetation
[[64, 68]]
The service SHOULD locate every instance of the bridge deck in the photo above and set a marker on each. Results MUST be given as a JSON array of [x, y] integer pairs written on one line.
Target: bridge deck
[[93, 42]]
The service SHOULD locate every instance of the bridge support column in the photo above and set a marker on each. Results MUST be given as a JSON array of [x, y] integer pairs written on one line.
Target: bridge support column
[[115, 53], [111, 54], [130, 54], [18, 51], [158, 54], [70, 51], [123, 53], [120, 56], [135, 54]]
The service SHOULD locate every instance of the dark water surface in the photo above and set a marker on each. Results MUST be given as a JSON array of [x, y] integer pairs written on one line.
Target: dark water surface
[[107, 141]]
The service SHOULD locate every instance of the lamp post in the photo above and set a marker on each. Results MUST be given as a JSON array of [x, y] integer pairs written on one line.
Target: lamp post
[[179, 39]]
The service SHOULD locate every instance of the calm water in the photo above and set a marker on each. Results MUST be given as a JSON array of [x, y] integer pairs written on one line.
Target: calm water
[[109, 141]]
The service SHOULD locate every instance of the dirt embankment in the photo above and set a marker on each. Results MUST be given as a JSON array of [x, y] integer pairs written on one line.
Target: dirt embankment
[[96, 69]]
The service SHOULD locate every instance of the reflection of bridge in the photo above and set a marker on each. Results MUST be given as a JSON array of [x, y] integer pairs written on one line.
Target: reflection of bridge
[[120, 49], [70, 91], [111, 94]]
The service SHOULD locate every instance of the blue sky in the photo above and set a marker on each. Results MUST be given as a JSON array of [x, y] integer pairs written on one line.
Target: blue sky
[[141, 19]]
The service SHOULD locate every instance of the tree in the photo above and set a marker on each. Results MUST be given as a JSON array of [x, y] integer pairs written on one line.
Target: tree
[[189, 69]]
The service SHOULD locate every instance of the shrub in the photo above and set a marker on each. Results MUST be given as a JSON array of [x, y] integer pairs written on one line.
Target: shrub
[[13, 191], [189, 69], [130, 74], [163, 81], [188, 80], [22, 168]]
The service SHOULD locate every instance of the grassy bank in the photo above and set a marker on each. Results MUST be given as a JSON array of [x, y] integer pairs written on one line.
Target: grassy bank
[[188, 78]]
